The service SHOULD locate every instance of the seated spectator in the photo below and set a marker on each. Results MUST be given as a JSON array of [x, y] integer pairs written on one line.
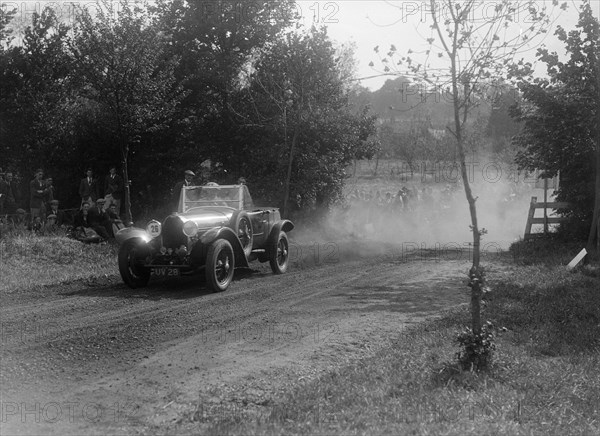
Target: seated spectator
[[59, 215], [37, 225], [114, 218], [83, 230], [19, 220], [99, 220]]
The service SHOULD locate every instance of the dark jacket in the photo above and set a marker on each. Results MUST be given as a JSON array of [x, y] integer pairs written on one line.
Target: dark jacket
[[37, 192], [113, 186], [177, 193], [88, 190], [98, 217], [81, 220], [60, 216]]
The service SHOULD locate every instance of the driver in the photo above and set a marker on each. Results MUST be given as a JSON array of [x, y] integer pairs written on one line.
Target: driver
[[188, 181], [213, 195]]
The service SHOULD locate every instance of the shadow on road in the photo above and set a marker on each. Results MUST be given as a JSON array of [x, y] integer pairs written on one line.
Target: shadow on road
[[181, 288]]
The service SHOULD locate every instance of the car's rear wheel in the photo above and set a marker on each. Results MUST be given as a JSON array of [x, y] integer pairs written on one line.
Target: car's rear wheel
[[279, 254], [131, 257], [220, 264]]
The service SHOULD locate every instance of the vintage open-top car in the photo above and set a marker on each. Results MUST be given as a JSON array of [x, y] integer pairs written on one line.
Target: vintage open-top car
[[215, 229]]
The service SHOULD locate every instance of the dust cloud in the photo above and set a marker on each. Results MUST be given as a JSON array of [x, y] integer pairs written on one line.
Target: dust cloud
[[429, 210]]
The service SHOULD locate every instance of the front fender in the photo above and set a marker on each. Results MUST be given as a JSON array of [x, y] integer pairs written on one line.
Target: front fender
[[127, 233], [215, 233]]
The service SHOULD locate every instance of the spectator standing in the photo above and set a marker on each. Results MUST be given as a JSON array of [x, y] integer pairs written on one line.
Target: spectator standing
[[37, 195], [50, 191], [12, 202], [113, 189], [5, 196], [188, 178], [88, 188]]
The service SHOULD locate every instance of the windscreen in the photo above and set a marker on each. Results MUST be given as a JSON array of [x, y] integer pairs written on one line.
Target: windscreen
[[200, 196]]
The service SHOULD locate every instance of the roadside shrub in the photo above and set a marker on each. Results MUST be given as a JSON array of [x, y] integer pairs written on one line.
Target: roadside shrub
[[476, 350], [548, 249]]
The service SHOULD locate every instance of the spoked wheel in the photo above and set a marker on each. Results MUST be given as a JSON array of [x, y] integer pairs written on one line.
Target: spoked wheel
[[220, 264], [131, 258], [244, 233], [280, 254]]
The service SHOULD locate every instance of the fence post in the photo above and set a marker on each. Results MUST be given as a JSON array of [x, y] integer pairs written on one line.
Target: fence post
[[530, 217]]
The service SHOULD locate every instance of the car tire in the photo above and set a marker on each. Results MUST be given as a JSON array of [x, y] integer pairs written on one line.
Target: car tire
[[279, 254], [244, 232], [220, 265], [134, 275]]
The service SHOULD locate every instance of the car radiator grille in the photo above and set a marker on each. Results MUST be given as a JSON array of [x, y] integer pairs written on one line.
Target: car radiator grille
[[172, 233]]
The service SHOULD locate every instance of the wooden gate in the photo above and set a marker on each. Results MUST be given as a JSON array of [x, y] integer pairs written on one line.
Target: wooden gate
[[546, 219]]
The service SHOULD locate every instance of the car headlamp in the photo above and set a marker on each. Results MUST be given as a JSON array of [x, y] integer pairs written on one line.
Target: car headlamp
[[154, 228], [190, 229]]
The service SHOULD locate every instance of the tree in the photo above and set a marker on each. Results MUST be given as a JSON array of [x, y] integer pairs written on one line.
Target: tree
[[298, 94], [215, 42], [560, 115], [35, 96], [127, 74], [476, 47]]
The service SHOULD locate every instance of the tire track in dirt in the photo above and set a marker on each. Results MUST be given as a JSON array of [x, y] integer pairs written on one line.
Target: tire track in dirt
[[172, 345]]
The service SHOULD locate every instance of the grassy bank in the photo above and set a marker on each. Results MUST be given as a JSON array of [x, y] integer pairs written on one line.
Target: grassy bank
[[29, 260], [544, 378]]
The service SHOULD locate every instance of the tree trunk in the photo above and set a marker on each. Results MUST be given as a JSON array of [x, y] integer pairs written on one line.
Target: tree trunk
[[476, 272], [288, 177], [127, 192], [595, 228], [596, 216]]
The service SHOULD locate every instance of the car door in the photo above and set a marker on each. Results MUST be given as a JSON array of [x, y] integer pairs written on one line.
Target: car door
[[260, 226]]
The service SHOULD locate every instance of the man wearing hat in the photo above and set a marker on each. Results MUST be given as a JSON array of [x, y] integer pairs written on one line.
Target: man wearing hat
[[59, 215], [188, 181], [99, 220]]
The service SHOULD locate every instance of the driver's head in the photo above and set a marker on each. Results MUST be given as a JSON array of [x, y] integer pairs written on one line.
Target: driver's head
[[189, 175]]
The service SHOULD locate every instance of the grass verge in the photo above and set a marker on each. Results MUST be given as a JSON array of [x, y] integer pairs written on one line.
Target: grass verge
[[29, 261], [544, 379]]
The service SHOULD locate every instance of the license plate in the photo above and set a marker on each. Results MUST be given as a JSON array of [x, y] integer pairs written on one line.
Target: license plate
[[164, 272]]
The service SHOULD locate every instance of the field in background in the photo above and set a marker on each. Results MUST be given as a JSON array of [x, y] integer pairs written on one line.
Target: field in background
[[503, 202]]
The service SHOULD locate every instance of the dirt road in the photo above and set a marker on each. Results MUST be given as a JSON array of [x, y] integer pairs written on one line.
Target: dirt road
[[99, 358]]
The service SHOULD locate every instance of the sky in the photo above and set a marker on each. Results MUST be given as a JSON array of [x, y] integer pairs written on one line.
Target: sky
[[404, 23], [371, 23]]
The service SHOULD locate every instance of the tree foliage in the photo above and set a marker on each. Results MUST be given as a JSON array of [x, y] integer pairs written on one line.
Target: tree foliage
[[560, 115], [126, 76], [166, 87], [298, 96], [35, 94]]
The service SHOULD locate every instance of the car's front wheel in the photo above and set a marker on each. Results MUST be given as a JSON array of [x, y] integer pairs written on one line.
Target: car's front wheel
[[279, 254], [131, 258], [220, 264]]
